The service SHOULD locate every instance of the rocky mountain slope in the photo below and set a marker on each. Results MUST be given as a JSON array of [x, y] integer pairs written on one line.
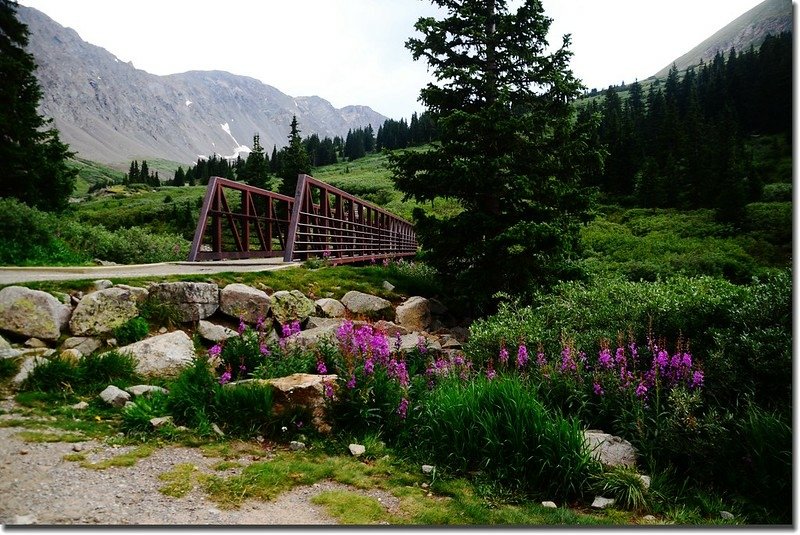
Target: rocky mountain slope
[[769, 17], [110, 112]]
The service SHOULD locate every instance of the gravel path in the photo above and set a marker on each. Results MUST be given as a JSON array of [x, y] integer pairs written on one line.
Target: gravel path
[[37, 486]]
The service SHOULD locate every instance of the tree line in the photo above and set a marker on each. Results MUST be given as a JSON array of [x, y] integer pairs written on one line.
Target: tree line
[[683, 142]]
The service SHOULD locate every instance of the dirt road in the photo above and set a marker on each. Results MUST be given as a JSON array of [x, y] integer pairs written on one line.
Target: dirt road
[[15, 275]]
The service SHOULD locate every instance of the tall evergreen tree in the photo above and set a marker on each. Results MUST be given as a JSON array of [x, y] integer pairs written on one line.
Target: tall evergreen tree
[[256, 167], [33, 156], [180, 177], [509, 152], [294, 161]]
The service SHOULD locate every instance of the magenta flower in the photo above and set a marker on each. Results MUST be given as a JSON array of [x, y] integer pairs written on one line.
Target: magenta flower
[[327, 389], [215, 350], [402, 409], [242, 326], [697, 379], [422, 345], [641, 390], [522, 356], [598, 390], [351, 384], [225, 377], [541, 361], [369, 366], [263, 349], [503, 356], [490, 373], [321, 368], [604, 359]]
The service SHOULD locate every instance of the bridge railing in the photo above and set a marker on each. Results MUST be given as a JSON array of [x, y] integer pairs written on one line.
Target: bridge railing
[[257, 222], [239, 221], [331, 224]]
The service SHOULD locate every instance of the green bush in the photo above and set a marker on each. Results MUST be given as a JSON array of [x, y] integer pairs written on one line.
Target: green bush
[[625, 486], [55, 375], [136, 418], [244, 410], [780, 192], [191, 395], [97, 371], [131, 331], [502, 429], [8, 368]]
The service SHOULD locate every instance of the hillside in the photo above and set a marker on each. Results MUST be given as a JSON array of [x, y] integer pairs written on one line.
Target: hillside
[[110, 112], [769, 17]]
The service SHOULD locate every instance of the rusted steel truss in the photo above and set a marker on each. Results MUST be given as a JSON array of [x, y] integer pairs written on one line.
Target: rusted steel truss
[[320, 222]]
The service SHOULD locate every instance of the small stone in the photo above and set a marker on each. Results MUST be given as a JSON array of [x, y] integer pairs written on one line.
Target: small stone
[[102, 284], [77, 447], [160, 422], [424, 485], [23, 452], [428, 469], [388, 286], [295, 445], [145, 390], [430, 494], [34, 343], [550, 505], [725, 515], [129, 404], [24, 520], [601, 502], [162, 330], [645, 481], [116, 397], [71, 355], [357, 449], [111, 342], [649, 518], [82, 405], [217, 430]]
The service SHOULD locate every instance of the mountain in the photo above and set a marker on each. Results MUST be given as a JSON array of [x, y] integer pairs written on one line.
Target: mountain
[[769, 17], [110, 112]]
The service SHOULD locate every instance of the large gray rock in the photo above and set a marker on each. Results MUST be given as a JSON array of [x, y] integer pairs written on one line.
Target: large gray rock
[[114, 396], [164, 355], [244, 302], [293, 305], [414, 314], [4, 343], [303, 391], [213, 332], [32, 313], [192, 301], [102, 311], [82, 344], [26, 368], [366, 304], [610, 450], [331, 308]]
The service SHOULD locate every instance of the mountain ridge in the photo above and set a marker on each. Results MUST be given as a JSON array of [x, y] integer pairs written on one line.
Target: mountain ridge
[[111, 112]]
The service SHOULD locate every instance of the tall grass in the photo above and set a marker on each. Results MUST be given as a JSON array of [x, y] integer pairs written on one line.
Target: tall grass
[[502, 429]]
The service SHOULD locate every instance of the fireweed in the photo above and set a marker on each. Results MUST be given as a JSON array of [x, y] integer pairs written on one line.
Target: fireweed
[[373, 383], [257, 352]]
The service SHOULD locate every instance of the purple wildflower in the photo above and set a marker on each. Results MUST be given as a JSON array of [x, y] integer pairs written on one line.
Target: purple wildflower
[[327, 389], [242, 326], [490, 373], [604, 358], [369, 366], [402, 409], [541, 361], [225, 377], [215, 350], [351, 384], [422, 345], [641, 390], [697, 379], [263, 349], [598, 390], [321, 368], [522, 356], [503, 356]]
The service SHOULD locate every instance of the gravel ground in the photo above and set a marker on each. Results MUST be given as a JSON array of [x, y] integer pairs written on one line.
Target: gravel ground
[[37, 486]]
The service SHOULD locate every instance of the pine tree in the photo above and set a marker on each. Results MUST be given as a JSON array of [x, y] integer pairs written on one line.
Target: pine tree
[[180, 177], [256, 167], [294, 161], [510, 151], [34, 158]]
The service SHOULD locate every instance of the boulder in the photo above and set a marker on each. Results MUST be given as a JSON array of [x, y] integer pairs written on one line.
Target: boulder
[[312, 337], [244, 302], [26, 368], [213, 332], [330, 308], [164, 355], [192, 301], [102, 284], [610, 450], [71, 355], [365, 304], [306, 392], [391, 329], [356, 450], [82, 344], [314, 322], [414, 314], [145, 390], [4, 343], [102, 311], [116, 397], [32, 313], [35, 343], [293, 305], [601, 503]]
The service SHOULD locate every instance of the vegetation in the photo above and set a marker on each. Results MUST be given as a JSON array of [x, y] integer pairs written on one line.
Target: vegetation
[[35, 168], [509, 152]]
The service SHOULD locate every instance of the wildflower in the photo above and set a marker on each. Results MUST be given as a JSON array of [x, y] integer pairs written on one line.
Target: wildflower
[[422, 345], [490, 373], [263, 349], [327, 389], [697, 379], [321, 368], [541, 361], [286, 330], [260, 323], [604, 358], [215, 350], [598, 390], [386, 262], [397, 341], [242, 369], [225, 377], [567, 362], [326, 254], [402, 409], [522, 356], [242, 326], [299, 424], [503, 355], [369, 366], [641, 390], [351, 384]]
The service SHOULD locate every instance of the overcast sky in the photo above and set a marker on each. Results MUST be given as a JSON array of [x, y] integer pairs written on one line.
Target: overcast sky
[[352, 51]]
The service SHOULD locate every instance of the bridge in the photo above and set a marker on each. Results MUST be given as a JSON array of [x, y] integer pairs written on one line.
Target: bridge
[[238, 221]]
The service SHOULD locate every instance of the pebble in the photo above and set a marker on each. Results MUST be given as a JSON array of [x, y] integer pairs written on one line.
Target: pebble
[[550, 505], [427, 469], [23, 452]]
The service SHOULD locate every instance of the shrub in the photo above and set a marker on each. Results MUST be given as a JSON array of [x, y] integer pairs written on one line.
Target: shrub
[[8, 368], [136, 418], [53, 376], [160, 313], [98, 371], [191, 396], [625, 486], [501, 428], [244, 410], [131, 331]]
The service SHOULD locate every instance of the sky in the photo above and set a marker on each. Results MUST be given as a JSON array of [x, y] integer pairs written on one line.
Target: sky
[[352, 51]]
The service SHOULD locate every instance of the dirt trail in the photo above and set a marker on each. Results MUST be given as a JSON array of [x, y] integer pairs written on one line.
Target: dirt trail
[[37, 486], [15, 275]]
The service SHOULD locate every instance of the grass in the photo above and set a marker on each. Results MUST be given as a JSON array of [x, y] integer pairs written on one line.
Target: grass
[[179, 481], [44, 436], [126, 459]]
